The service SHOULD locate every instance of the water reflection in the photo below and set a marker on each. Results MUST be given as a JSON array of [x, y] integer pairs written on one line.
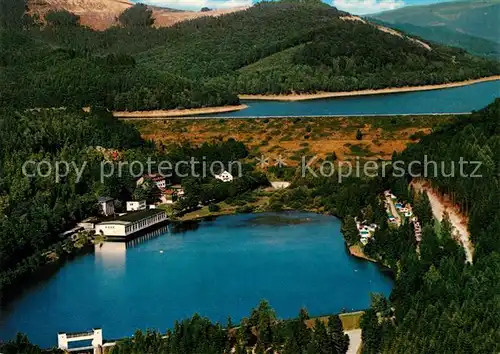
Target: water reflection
[[112, 255]]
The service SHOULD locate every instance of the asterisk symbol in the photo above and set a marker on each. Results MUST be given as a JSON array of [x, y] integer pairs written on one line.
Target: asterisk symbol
[[262, 161], [280, 161]]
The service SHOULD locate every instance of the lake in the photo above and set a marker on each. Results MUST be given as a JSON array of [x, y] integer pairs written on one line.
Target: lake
[[452, 100], [215, 268]]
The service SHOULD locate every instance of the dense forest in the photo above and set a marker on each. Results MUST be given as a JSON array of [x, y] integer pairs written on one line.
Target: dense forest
[[262, 331], [273, 47], [442, 304]]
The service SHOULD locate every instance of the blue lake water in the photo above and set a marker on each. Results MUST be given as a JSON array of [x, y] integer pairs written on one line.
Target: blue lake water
[[218, 268], [453, 100]]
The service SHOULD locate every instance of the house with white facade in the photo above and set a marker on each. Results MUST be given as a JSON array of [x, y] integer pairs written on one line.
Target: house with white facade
[[224, 177], [136, 205], [158, 180]]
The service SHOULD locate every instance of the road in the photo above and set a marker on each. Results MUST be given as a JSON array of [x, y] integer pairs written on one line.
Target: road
[[354, 341], [457, 220]]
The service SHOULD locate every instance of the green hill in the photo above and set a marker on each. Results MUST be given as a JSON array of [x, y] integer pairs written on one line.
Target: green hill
[[273, 47], [289, 47], [478, 18]]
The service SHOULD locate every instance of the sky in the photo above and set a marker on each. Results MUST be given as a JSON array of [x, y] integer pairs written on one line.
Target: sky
[[359, 7]]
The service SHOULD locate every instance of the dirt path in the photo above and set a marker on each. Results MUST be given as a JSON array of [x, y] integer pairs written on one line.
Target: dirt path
[[458, 221], [354, 341], [313, 96]]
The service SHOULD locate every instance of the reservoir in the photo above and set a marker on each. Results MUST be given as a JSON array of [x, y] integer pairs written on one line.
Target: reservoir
[[215, 268], [451, 100]]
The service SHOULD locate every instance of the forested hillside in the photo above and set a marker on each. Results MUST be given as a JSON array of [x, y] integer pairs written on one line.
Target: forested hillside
[[478, 18], [277, 47], [443, 305], [475, 45]]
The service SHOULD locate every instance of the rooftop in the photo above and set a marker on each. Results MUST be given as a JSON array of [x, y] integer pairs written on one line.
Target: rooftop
[[104, 199], [133, 216]]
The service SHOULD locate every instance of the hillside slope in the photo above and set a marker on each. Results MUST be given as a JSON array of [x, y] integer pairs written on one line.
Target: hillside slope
[[443, 35], [286, 47], [102, 14], [478, 18]]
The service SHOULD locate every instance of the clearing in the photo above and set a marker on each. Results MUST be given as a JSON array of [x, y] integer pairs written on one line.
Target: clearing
[[291, 138]]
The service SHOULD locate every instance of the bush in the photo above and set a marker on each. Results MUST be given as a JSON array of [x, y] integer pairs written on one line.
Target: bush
[[276, 206], [138, 15], [213, 208], [62, 18], [244, 209]]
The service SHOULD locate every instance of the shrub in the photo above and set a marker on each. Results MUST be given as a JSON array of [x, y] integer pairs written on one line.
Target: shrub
[[244, 209], [213, 208]]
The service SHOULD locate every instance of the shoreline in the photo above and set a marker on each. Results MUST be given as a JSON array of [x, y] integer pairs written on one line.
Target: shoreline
[[354, 250], [385, 91], [173, 113], [357, 252]]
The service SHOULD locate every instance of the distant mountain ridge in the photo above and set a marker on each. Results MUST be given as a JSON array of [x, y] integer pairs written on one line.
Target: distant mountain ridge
[[475, 18]]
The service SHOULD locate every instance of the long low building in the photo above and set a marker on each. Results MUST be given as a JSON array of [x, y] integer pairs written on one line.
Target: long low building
[[126, 225]]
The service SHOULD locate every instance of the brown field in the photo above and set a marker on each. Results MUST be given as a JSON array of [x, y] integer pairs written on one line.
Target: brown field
[[294, 137], [101, 14]]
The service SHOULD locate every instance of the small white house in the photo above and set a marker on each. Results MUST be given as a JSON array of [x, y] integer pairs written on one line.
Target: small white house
[[224, 177], [157, 179], [106, 206], [136, 205]]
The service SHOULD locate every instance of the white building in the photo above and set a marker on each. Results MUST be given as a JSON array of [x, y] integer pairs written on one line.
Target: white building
[[106, 206], [224, 177], [280, 184], [136, 205], [130, 223], [158, 179], [95, 335]]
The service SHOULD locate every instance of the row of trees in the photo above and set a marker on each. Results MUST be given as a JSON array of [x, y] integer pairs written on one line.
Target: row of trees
[[260, 333]]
